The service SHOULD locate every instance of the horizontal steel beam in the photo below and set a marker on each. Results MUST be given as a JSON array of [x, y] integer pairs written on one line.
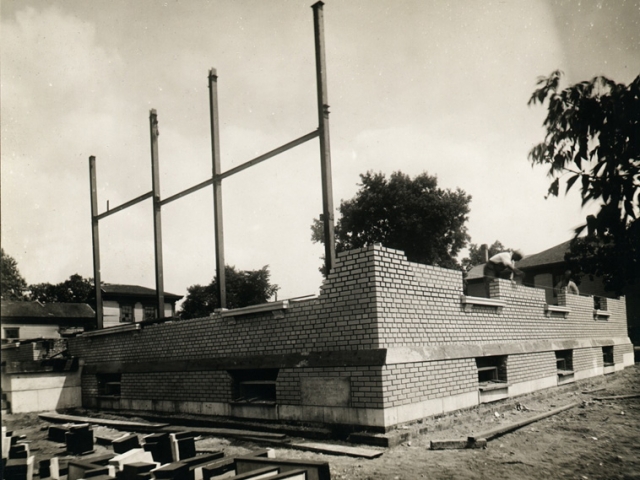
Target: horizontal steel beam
[[195, 188], [244, 166], [268, 155], [124, 205]]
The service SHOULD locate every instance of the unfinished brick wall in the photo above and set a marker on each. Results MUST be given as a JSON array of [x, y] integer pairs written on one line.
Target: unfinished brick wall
[[420, 305], [416, 382], [384, 333], [522, 368]]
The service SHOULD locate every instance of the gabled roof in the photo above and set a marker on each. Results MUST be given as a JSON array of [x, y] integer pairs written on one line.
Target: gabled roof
[[476, 272], [550, 256], [135, 291], [18, 310]]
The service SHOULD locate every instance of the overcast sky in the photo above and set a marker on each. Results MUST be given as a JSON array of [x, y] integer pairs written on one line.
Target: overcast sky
[[436, 86]]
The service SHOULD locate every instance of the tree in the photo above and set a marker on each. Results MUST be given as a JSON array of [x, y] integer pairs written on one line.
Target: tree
[[593, 135], [13, 284], [476, 256], [412, 215], [74, 290], [244, 288]]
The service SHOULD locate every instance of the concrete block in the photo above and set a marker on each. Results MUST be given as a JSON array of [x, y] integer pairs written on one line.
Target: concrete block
[[79, 439], [79, 470], [57, 433], [136, 455], [218, 468], [160, 447], [132, 471], [125, 443], [19, 469], [173, 471]]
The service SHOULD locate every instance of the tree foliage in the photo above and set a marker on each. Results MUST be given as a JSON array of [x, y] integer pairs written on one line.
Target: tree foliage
[[244, 288], [412, 215], [477, 258], [75, 289], [13, 284], [593, 140]]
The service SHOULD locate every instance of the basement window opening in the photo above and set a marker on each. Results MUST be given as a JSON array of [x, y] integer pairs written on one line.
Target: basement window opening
[[12, 333], [607, 356], [109, 384], [256, 386], [564, 362], [492, 372]]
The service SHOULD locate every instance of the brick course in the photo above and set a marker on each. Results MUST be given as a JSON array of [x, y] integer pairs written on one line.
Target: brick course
[[373, 300]]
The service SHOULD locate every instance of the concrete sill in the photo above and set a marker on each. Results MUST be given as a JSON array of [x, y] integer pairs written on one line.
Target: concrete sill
[[601, 314], [131, 327], [565, 373], [549, 309], [276, 308], [468, 302], [493, 386]]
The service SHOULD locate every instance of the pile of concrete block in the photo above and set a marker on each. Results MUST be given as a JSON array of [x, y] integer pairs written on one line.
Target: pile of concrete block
[[157, 456], [17, 461]]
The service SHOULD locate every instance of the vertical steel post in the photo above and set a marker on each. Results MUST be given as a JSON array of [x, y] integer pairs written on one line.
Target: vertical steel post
[[95, 234], [217, 187], [325, 151], [157, 219]]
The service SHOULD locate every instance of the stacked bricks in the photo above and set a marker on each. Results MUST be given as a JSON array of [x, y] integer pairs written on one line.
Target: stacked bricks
[[408, 383], [420, 305], [373, 299], [522, 368]]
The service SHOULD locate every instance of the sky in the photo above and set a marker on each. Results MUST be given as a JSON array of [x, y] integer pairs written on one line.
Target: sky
[[414, 86]]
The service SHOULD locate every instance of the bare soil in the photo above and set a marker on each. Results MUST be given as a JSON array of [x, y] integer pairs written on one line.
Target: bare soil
[[598, 439]]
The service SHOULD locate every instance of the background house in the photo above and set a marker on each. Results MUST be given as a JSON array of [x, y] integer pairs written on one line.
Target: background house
[[29, 320], [132, 303], [546, 269]]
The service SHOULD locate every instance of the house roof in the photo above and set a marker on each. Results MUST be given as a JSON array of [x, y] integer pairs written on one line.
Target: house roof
[[33, 310], [550, 256], [135, 291], [476, 272]]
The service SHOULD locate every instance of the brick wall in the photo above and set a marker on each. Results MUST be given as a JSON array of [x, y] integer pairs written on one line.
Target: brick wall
[[416, 382], [522, 368], [420, 305], [374, 303]]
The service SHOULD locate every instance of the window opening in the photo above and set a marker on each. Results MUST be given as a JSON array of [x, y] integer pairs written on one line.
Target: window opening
[[109, 384], [126, 313], [254, 386], [564, 362], [12, 333], [607, 356], [491, 370]]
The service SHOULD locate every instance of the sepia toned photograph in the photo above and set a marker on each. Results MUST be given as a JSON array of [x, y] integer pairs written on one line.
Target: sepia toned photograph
[[355, 239]]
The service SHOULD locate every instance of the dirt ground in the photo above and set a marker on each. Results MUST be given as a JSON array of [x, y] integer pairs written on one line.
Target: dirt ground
[[598, 439]]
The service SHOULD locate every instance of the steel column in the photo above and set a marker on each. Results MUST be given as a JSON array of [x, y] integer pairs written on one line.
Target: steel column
[[325, 151], [217, 187], [157, 218], [95, 235]]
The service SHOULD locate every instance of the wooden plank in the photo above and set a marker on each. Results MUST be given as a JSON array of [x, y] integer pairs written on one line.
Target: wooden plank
[[489, 434], [60, 418], [224, 432], [618, 397], [335, 449]]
